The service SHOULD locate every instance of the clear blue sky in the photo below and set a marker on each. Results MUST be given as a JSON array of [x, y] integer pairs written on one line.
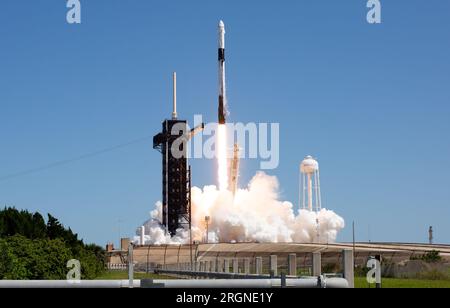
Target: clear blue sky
[[372, 102]]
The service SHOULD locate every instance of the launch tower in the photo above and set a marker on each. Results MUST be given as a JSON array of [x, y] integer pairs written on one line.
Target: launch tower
[[176, 207]]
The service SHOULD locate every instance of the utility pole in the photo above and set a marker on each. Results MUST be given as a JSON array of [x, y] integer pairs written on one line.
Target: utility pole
[[354, 243], [130, 266], [430, 235]]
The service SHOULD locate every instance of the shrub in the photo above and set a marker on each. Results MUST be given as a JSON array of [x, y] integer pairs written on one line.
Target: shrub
[[430, 257]]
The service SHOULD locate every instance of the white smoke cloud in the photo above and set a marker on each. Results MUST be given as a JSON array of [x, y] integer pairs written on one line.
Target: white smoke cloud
[[255, 214]]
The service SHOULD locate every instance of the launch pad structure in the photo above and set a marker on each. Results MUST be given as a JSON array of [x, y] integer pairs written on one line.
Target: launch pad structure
[[176, 173], [176, 210]]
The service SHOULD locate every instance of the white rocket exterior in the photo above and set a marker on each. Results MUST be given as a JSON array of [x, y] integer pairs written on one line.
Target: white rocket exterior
[[222, 87]]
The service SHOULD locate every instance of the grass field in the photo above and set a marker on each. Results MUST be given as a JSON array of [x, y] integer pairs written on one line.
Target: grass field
[[116, 275], [404, 283]]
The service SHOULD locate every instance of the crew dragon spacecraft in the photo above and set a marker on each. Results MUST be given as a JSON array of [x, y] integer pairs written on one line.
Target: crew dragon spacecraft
[[222, 87]]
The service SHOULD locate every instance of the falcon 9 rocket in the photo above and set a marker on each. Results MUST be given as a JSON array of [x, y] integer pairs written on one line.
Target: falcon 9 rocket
[[222, 87]]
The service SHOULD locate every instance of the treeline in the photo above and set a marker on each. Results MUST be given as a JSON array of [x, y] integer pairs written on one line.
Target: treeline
[[30, 248]]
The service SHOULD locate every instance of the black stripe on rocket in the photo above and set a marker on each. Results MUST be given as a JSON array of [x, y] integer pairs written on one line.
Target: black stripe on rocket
[[221, 111]]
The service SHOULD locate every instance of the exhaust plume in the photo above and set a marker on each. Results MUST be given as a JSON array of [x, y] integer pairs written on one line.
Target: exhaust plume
[[255, 214]]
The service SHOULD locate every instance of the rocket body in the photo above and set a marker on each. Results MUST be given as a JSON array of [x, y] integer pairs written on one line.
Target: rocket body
[[222, 88]]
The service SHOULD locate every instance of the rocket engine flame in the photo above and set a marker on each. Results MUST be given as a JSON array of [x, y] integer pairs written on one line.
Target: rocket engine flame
[[222, 160]]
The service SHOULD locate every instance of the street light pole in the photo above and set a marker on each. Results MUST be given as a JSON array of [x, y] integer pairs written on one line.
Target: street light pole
[[207, 219]]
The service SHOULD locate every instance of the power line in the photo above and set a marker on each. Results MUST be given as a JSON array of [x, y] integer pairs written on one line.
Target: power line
[[71, 160]]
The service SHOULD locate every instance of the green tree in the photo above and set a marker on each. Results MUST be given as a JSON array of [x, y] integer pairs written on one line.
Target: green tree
[[32, 249], [14, 222], [39, 227], [6, 259]]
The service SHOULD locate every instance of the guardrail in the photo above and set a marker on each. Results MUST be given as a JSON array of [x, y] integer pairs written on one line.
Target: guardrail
[[312, 282], [239, 268]]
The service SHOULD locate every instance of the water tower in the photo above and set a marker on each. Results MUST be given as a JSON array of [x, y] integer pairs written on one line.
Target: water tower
[[310, 185]]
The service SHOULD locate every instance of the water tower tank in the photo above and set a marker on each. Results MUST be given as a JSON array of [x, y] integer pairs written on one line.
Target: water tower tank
[[309, 165]]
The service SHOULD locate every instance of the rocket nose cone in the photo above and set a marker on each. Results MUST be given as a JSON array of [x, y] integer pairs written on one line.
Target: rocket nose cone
[[221, 24]]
